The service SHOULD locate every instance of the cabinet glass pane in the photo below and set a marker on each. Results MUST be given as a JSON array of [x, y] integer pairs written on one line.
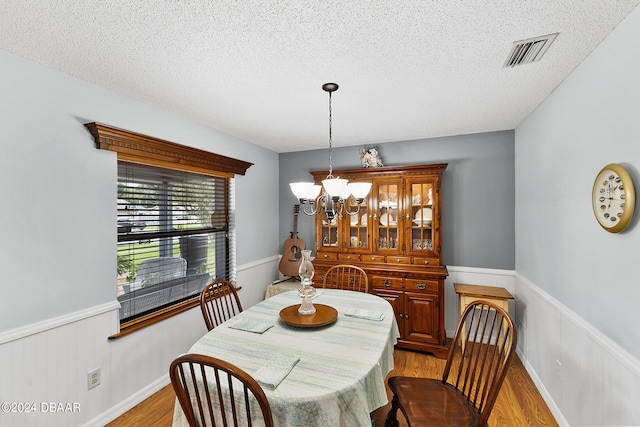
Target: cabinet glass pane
[[387, 215], [329, 231], [357, 224], [421, 217]]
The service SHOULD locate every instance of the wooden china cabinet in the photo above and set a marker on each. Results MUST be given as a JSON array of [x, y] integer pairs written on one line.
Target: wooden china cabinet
[[396, 238]]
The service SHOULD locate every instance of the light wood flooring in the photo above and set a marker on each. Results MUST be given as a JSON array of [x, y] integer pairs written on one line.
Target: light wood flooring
[[519, 402]]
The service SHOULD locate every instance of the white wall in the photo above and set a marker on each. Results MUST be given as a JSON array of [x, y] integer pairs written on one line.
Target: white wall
[[577, 286], [58, 257]]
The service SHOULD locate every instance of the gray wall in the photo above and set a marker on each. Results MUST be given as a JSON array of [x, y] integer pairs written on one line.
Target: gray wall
[[478, 191], [587, 122]]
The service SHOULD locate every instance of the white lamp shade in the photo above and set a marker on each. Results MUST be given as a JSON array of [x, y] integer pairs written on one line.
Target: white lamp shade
[[334, 186], [360, 189], [346, 193], [301, 189], [314, 191]]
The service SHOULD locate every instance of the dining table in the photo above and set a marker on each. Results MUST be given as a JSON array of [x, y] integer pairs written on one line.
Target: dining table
[[335, 371]]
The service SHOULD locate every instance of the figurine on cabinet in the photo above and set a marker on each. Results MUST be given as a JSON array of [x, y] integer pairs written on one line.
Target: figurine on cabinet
[[370, 158]]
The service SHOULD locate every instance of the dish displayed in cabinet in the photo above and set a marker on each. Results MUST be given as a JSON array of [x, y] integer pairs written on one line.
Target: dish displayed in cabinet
[[387, 219], [423, 217], [387, 204], [355, 219]]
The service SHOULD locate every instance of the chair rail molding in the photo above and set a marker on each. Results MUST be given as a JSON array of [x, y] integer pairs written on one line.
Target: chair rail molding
[[56, 322], [555, 346]]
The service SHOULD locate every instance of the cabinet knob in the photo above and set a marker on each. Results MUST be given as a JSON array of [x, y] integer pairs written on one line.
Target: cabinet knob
[[407, 216], [387, 283], [421, 286], [399, 260], [349, 257], [326, 256], [426, 261]]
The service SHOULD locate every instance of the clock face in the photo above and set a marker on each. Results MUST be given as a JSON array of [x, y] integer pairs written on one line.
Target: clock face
[[613, 198]]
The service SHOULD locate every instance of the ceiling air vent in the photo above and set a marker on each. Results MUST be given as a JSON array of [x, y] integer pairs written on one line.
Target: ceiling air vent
[[530, 50]]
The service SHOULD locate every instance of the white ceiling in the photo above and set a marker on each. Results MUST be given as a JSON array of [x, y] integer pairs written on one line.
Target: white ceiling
[[407, 69]]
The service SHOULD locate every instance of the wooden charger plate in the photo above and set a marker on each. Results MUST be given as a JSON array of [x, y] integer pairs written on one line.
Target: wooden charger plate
[[323, 316]]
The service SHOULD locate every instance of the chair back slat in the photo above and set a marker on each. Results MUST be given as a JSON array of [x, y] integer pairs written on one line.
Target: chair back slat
[[480, 353], [348, 277], [213, 392], [219, 302]]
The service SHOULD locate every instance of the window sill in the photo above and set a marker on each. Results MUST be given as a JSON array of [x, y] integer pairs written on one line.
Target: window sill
[[158, 316]]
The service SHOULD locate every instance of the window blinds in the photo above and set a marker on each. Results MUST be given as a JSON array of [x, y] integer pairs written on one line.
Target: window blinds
[[173, 236]]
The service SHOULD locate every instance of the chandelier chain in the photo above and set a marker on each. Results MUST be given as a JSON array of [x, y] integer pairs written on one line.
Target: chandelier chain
[[330, 139]]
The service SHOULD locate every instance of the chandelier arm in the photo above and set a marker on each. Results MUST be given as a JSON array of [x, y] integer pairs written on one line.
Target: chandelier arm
[[348, 211], [304, 202]]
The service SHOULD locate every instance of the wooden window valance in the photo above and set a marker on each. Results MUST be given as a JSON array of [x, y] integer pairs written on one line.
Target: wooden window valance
[[136, 147]]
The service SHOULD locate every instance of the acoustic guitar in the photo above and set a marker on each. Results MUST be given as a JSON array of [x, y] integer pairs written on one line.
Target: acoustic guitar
[[291, 253]]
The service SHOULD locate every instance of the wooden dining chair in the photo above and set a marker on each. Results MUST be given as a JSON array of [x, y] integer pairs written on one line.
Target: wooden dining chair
[[219, 302], [475, 369], [344, 276], [213, 392]]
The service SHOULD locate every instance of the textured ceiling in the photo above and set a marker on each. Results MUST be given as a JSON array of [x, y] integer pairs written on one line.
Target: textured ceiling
[[407, 69]]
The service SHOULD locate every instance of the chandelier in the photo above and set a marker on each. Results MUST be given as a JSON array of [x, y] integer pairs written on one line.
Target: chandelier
[[330, 197]]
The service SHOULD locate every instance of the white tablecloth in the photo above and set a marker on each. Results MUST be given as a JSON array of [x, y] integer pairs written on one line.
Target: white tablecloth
[[339, 378], [280, 287]]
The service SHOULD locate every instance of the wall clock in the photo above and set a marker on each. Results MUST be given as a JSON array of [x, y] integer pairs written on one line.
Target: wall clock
[[613, 198]]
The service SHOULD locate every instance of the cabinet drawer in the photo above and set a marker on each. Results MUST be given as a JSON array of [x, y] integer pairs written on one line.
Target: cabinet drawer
[[399, 259], [327, 256], [372, 258], [425, 261], [386, 282], [421, 285], [349, 257], [318, 277]]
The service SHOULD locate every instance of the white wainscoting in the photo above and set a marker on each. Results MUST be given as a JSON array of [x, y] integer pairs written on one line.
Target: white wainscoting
[[472, 276], [48, 362], [586, 379]]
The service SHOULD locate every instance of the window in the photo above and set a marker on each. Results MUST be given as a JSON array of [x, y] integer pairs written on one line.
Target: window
[[174, 225], [173, 236]]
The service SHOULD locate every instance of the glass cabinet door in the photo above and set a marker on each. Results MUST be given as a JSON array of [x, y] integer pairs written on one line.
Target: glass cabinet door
[[388, 237], [329, 230], [420, 234], [357, 225]]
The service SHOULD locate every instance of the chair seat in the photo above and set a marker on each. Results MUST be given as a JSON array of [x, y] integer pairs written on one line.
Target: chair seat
[[430, 402]]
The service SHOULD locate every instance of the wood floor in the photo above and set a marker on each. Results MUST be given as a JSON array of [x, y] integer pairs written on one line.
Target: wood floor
[[519, 402]]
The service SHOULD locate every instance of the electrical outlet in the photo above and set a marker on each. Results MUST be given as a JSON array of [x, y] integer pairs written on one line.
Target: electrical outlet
[[558, 369], [93, 378]]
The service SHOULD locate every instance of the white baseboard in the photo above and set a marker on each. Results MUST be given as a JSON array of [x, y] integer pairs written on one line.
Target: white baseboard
[[125, 405], [557, 414]]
